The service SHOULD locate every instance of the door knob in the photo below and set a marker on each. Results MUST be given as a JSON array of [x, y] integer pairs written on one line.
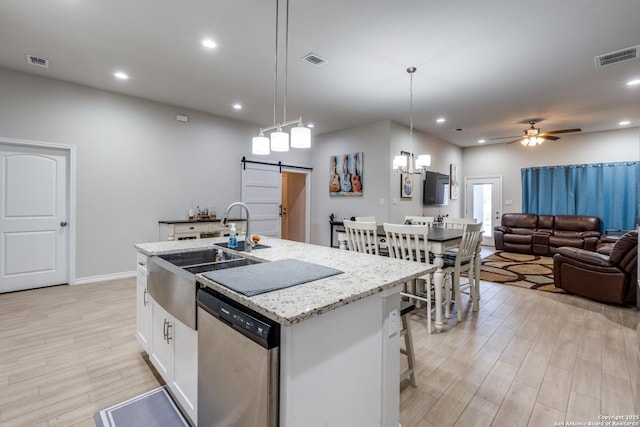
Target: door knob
[[63, 224]]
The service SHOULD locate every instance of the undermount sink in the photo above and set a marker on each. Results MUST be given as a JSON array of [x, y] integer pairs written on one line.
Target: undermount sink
[[193, 258], [220, 265]]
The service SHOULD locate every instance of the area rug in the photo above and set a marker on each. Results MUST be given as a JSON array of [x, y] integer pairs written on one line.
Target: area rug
[[522, 270], [152, 409]]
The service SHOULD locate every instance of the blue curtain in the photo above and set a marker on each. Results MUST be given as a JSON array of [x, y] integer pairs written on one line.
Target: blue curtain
[[610, 191]]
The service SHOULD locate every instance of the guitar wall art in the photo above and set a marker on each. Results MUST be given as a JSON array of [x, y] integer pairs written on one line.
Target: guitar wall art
[[345, 175]]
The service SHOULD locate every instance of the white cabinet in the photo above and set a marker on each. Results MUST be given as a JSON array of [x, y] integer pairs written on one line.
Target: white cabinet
[[143, 305], [174, 353], [185, 367], [184, 230]]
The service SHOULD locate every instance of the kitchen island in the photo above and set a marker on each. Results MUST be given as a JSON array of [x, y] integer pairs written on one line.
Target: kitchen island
[[339, 343]]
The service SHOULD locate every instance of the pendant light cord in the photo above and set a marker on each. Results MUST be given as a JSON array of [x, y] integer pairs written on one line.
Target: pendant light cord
[[286, 63], [411, 70], [275, 70]]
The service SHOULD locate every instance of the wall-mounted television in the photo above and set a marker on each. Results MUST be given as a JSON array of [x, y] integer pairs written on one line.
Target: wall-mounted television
[[435, 189]]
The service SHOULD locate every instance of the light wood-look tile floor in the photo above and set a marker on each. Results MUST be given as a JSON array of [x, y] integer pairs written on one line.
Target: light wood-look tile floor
[[527, 358], [69, 351]]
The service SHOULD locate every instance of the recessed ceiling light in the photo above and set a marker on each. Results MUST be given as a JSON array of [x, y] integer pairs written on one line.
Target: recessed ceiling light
[[237, 106], [482, 141], [633, 82], [209, 44], [441, 120], [310, 125], [120, 75], [624, 123]]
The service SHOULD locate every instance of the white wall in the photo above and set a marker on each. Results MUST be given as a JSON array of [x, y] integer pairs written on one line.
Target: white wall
[[379, 142], [136, 164], [373, 141], [508, 159], [442, 154]]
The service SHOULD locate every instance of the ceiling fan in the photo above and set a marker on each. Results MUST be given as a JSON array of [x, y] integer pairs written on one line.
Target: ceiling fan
[[534, 136]]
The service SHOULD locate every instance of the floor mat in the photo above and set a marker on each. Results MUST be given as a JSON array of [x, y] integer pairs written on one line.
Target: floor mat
[[151, 409]]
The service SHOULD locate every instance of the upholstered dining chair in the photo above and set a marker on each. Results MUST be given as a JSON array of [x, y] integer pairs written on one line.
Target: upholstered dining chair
[[410, 243], [361, 236], [418, 220], [460, 262]]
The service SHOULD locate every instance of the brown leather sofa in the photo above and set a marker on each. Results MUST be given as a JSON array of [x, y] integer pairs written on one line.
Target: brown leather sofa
[[605, 278], [544, 234]]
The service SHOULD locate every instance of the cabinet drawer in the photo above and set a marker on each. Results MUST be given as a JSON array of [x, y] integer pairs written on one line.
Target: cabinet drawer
[[191, 228], [142, 264]]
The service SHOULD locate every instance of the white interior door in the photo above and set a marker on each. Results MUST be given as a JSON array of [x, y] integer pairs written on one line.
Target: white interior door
[[33, 218], [483, 201], [262, 193]]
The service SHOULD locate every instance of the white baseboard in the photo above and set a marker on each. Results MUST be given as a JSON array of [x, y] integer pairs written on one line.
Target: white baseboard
[[104, 278]]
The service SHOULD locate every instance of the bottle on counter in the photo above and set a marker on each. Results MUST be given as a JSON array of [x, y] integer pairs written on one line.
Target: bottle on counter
[[233, 238]]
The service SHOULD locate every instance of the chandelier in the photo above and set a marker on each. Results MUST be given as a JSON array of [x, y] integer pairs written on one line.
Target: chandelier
[[404, 163], [279, 139]]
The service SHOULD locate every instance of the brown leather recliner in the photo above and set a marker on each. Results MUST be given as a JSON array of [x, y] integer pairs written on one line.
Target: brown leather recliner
[[605, 278], [578, 231], [515, 233]]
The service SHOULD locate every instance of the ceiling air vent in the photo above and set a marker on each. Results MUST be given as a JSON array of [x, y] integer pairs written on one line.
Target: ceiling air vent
[[37, 61], [627, 54], [314, 59]]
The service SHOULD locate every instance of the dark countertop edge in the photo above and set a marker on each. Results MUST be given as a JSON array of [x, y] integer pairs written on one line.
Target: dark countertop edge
[[186, 221]]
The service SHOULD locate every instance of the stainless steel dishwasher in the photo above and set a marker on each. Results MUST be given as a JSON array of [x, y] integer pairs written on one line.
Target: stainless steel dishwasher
[[238, 364]]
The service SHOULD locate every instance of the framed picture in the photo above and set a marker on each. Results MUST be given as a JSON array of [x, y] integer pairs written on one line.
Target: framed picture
[[406, 185], [453, 182], [345, 175]]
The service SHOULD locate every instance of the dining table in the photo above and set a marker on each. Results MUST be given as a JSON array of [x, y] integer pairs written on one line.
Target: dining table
[[439, 239]]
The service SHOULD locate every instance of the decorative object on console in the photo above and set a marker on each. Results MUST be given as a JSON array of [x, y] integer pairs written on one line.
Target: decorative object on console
[[404, 162], [300, 134], [345, 175]]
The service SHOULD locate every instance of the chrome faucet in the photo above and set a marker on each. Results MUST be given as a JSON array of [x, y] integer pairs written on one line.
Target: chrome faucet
[[248, 241]]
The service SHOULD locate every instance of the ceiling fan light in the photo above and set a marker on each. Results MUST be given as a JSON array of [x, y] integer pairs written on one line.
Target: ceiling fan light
[[300, 137]]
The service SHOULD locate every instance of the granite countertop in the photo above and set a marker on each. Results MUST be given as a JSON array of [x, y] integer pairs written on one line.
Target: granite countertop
[[364, 275]]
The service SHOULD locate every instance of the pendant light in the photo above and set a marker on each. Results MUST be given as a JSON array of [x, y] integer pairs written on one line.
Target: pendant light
[[404, 163], [278, 139]]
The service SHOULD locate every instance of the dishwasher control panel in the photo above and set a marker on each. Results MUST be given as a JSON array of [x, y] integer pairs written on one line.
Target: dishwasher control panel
[[253, 325], [244, 321]]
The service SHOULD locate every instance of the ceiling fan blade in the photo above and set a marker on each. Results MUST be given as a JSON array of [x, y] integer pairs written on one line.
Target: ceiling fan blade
[[515, 140], [506, 137], [549, 137], [564, 131]]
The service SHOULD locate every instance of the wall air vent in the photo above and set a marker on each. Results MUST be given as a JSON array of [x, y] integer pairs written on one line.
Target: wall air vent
[[314, 59], [622, 55], [38, 61]]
